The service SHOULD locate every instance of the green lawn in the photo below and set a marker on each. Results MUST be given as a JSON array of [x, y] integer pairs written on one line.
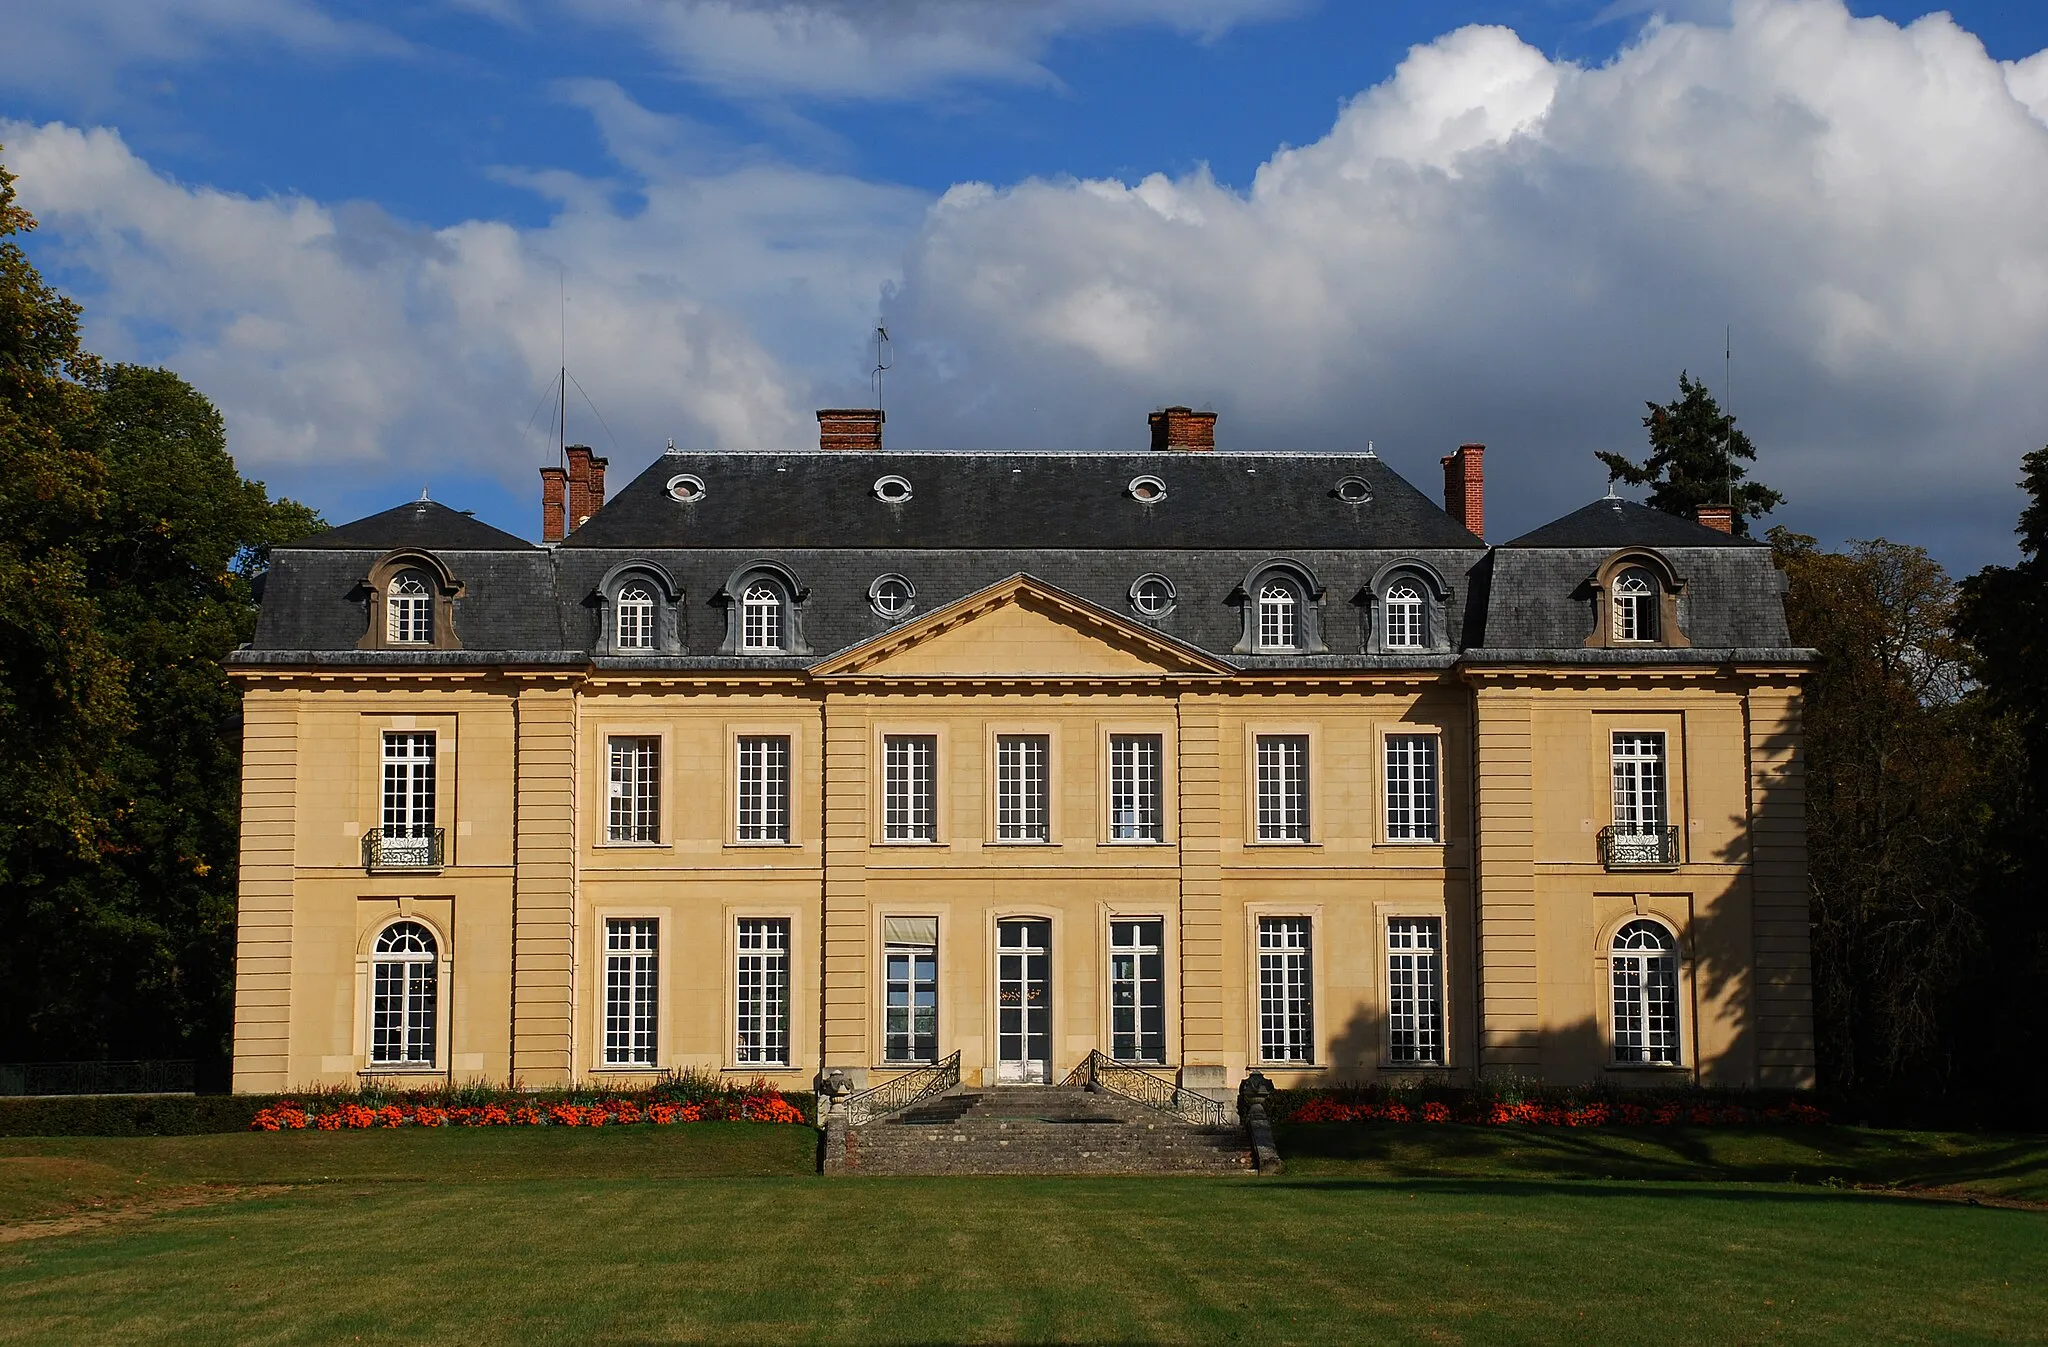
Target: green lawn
[[720, 1232]]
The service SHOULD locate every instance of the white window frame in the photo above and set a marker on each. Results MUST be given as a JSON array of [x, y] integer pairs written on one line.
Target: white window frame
[[405, 998], [409, 609], [408, 796], [1281, 787], [1641, 767], [631, 1025], [1284, 1019], [918, 1048], [1635, 603], [1278, 628], [1023, 788], [761, 788], [1645, 1017], [763, 622], [634, 616], [1405, 616], [633, 789], [1129, 986], [761, 991], [1412, 783], [1137, 788], [910, 788], [1414, 952]]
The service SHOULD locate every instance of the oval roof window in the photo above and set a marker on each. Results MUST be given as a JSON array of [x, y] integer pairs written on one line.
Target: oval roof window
[[1146, 490], [891, 596], [1354, 491], [1152, 595], [686, 488], [892, 490]]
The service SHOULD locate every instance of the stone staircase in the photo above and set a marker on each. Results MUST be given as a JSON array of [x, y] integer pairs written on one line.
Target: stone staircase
[[1041, 1130]]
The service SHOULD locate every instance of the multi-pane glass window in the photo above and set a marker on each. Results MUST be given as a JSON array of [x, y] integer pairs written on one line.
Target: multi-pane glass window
[[1415, 991], [761, 617], [910, 788], [910, 989], [636, 618], [1279, 617], [633, 807], [1404, 616], [631, 989], [763, 788], [1283, 787], [1136, 797], [408, 825], [1635, 607], [761, 1018], [1022, 805], [405, 981], [1411, 788], [1287, 1026], [409, 610], [1137, 991], [1639, 809], [1644, 965]]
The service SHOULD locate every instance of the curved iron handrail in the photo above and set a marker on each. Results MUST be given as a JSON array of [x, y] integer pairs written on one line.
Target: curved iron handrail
[[906, 1091], [1142, 1087]]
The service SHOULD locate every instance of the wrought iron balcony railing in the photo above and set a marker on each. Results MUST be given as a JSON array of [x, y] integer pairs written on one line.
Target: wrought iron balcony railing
[[416, 849], [1639, 848], [906, 1091], [1142, 1087]]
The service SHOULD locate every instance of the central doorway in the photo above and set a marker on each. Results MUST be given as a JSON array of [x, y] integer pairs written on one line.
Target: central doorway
[[1024, 1002]]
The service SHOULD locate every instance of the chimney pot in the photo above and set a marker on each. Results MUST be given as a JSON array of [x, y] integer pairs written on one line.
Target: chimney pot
[[586, 484], [1465, 487], [1720, 518], [554, 485], [852, 429], [1182, 429]]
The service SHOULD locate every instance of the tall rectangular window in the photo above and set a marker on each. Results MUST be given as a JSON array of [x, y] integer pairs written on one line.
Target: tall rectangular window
[[761, 1018], [1415, 986], [1283, 787], [1639, 796], [1411, 787], [764, 788], [633, 809], [408, 824], [1137, 991], [1022, 806], [910, 989], [1136, 803], [910, 788], [631, 1018], [1287, 1025]]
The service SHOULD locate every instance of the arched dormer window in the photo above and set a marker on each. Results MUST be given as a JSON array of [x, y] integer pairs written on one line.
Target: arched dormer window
[[638, 606], [405, 997], [409, 610], [1281, 606], [1643, 981], [411, 600], [1636, 597], [764, 606], [1407, 606]]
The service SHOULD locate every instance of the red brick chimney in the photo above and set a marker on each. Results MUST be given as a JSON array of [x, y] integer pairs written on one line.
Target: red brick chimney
[[1720, 518], [1181, 428], [586, 484], [554, 486], [851, 428], [1465, 487]]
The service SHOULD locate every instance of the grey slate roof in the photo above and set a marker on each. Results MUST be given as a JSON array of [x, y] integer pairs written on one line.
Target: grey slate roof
[[1064, 519]]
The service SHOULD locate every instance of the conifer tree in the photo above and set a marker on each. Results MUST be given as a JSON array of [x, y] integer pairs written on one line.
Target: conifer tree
[[1697, 457]]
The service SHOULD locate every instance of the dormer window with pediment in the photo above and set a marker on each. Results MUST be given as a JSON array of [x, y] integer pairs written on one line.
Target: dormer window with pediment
[[411, 599], [1636, 602], [639, 611], [764, 611]]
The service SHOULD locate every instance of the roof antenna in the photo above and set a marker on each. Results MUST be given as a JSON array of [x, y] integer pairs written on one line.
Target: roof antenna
[[1728, 401], [1369, 450], [882, 362], [562, 376], [671, 444]]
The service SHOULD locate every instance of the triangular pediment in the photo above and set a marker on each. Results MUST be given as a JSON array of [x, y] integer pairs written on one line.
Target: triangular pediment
[[1021, 628]]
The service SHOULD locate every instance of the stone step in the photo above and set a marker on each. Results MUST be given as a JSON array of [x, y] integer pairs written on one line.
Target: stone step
[[1041, 1130]]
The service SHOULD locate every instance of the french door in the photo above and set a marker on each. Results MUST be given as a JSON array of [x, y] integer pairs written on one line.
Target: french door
[[1024, 1002]]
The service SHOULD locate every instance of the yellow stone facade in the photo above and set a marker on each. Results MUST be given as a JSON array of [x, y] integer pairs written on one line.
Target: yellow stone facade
[[527, 881]]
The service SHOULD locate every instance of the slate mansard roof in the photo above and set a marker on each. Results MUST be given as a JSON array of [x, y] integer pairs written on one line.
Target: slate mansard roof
[[1067, 520]]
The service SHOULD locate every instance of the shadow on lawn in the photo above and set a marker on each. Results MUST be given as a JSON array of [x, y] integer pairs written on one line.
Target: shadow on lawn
[[1539, 1188]]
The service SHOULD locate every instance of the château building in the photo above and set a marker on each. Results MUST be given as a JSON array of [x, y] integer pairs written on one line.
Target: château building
[[784, 762]]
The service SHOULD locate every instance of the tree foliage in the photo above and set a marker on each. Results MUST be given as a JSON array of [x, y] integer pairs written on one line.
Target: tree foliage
[[129, 546], [1697, 457]]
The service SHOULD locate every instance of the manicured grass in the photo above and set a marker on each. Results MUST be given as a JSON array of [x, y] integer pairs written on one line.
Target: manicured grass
[[557, 1235]]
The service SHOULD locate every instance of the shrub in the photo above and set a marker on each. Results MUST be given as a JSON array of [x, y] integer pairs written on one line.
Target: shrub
[[1507, 1100]]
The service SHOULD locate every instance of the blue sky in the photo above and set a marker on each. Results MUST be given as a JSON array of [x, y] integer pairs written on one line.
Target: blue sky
[[346, 223]]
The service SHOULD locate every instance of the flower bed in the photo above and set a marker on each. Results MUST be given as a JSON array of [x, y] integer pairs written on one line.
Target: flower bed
[[684, 1098], [1497, 1104]]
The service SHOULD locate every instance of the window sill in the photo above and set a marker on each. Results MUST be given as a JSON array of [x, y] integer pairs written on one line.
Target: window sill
[[907, 842], [752, 846], [1413, 843], [410, 1069], [609, 845], [1284, 843], [633, 1069], [743, 1067], [1415, 1066], [1290, 1066], [1652, 1068], [1022, 842], [1134, 842]]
